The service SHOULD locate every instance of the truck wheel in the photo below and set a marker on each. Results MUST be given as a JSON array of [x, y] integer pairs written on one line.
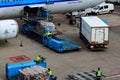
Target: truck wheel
[[72, 21], [110, 11], [97, 13], [88, 46], [80, 36]]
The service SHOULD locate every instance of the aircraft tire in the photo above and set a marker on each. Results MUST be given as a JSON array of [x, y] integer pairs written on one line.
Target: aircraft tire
[[97, 13], [110, 11]]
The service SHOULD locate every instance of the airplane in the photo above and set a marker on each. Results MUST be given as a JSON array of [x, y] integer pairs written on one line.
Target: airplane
[[13, 8]]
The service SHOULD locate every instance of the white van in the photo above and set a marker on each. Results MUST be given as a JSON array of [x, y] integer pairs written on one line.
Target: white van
[[103, 8]]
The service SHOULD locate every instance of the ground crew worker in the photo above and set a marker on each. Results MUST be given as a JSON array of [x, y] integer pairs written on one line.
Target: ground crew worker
[[48, 34], [50, 73], [98, 74], [38, 59]]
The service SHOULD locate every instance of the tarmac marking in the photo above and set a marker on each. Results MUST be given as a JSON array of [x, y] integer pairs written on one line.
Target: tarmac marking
[[113, 76], [20, 58]]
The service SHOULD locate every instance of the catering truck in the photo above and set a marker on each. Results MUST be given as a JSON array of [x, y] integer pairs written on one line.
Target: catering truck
[[94, 32]]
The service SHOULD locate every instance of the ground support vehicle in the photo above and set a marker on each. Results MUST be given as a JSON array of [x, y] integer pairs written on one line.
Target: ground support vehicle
[[94, 32], [18, 71], [38, 29], [103, 8], [36, 26]]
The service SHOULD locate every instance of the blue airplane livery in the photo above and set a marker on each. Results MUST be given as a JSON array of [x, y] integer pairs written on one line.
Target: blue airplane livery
[[13, 8]]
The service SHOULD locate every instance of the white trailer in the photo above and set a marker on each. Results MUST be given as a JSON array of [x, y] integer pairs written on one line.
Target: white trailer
[[94, 32]]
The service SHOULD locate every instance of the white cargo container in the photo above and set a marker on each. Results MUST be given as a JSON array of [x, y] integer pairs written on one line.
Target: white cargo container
[[94, 32]]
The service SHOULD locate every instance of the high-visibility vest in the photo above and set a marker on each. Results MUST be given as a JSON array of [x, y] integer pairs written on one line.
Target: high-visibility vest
[[48, 34], [38, 58], [50, 73], [99, 73]]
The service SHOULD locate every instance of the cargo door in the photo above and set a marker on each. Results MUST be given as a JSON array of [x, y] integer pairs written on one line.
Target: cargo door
[[99, 35]]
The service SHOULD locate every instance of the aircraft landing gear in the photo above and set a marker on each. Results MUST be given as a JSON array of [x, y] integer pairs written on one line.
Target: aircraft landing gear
[[71, 18]]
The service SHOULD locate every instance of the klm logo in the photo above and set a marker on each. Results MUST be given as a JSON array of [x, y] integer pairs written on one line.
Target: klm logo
[[6, 32]]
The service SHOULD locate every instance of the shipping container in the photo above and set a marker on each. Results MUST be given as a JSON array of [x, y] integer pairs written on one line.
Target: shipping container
[[94, 32]]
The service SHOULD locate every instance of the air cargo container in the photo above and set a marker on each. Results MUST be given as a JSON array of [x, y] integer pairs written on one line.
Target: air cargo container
[[95, 32]]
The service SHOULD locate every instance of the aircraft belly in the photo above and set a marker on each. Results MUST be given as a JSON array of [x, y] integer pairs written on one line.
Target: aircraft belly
[[63, 7], [55, 7], [10, 12]]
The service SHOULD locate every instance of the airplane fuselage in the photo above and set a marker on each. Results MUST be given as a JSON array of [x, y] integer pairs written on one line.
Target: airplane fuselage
[[13, 8]]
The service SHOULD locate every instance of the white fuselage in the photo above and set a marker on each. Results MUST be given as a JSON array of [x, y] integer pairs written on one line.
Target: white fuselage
[[56, 7]]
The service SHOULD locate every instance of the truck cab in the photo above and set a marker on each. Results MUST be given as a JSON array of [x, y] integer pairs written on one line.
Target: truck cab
[[103, 8]]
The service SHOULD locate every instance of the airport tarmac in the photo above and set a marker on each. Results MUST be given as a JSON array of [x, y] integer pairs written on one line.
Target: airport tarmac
[[69, 62]]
